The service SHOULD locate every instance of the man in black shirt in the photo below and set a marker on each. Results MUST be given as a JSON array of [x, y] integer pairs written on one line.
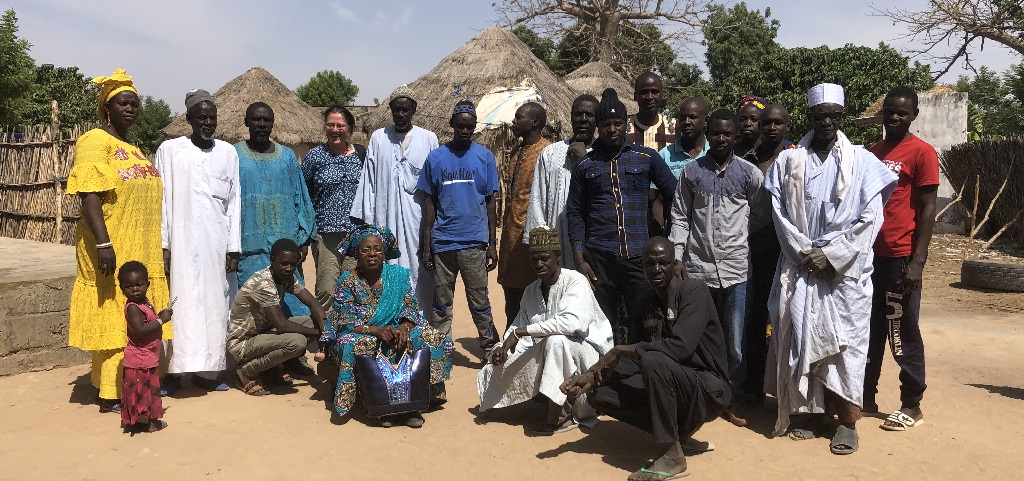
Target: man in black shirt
[[675, 380]]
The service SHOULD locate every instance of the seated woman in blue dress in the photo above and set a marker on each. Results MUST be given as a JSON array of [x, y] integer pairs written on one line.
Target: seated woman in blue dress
[[374, 303]]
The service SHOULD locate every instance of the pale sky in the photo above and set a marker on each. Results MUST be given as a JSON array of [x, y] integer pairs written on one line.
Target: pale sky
[[172, 47]]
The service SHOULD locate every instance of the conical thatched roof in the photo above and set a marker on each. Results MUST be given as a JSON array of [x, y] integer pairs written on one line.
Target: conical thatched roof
[[873, 113], [295, 122], [594, 77], [494, 58]]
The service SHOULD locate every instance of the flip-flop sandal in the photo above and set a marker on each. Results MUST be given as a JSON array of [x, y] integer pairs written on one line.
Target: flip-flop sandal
[[551, 430], [845, 441], [800, 434], [664, 476], [113, 408], [156, 425], [692, 446], [414, 421], [253, 388], [900, 421]]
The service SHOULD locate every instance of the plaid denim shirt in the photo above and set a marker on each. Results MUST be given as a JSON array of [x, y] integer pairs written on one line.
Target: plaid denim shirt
[[607, 209]]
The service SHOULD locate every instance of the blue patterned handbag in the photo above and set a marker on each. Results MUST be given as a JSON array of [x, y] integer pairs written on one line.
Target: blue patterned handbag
[[394, 388]]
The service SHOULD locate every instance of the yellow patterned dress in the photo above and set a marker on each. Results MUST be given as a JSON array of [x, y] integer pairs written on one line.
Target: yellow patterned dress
[[131, 191]]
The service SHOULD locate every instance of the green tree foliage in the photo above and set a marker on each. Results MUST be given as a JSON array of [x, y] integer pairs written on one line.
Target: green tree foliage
[[543, 48], [638, 48], [145, 133], [996, 102], [735, 38], [75, 96], [326, 88], [17, 70], [744, 58]]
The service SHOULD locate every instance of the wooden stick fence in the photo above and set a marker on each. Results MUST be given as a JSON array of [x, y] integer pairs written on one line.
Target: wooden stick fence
[[34, 166]]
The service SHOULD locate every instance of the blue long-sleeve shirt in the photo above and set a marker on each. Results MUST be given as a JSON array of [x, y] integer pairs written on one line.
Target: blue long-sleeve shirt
[[608, 198]]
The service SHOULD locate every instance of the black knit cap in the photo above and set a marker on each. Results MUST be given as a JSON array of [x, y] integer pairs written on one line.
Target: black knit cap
[[610, 106]]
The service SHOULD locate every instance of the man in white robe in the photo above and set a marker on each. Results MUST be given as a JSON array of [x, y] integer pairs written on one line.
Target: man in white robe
[[387, 196], [560, 332], [201, 241], [550, 189], [827, 200]]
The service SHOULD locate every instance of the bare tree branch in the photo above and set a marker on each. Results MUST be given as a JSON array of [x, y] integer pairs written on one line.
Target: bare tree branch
[[1001, 21], [603, 18]]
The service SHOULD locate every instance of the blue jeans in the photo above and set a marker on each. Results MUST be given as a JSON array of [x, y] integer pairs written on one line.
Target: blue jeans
[[731, 304]]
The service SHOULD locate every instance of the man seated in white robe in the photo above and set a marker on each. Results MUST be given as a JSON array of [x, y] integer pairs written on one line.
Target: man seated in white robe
[[827, 200], [560, 332], [387, 195]]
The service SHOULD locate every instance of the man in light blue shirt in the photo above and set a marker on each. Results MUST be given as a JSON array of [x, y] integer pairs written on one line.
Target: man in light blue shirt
[[692, 144]]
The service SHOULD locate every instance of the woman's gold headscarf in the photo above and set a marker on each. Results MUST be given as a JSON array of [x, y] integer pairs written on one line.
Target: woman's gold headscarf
[[110, 86]]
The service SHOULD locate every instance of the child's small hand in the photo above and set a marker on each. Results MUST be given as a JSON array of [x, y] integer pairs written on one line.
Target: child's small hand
[[319, 356], [165, 315]]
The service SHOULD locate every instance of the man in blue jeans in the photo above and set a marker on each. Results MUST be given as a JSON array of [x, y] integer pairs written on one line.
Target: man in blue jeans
[[717, 205], [459, 179]]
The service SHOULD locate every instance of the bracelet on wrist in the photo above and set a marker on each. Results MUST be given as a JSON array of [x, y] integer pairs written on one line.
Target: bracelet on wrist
[[105, 245]]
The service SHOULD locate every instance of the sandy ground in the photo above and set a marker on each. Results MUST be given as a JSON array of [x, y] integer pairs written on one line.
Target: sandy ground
[[51, 430]]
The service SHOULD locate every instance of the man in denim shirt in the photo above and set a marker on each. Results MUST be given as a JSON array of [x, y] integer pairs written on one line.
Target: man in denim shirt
[[607, 214], [717, 204]]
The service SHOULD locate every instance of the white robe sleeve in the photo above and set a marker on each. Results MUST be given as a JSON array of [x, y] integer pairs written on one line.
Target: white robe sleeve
[[844, 251], [567, 317], [162, 165], [234, 213], [538, 194], [365, 198], [792, 240]]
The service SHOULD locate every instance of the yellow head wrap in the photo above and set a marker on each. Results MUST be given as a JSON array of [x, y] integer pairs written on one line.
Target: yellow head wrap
[[110, 86]]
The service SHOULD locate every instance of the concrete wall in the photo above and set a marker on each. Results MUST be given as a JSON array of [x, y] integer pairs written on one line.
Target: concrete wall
[[35, 292], [943, 123], [34, 326]]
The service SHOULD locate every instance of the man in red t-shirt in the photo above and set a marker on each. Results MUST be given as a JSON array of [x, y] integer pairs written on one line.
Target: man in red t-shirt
[[900, 253]]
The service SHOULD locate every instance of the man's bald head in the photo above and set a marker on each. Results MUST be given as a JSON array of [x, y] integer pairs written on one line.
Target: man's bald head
[[659, 262], [777, 110], [645, 78], [702, 107], [656, 245], [535, 111]]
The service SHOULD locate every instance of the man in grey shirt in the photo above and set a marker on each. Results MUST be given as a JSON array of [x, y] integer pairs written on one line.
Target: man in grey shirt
[[718, 203]]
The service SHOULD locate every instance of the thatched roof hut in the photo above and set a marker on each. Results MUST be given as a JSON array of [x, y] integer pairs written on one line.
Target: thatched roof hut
[[495, 58], [594, 77], [296, 124]]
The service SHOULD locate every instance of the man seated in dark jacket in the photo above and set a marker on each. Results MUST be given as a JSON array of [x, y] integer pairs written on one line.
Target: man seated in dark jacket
[[675, 380]]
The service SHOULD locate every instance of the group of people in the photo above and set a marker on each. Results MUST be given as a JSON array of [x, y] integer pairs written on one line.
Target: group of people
[[662, 270]]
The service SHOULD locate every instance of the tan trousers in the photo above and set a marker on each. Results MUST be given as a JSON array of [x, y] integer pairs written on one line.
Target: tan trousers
[[330, 263]]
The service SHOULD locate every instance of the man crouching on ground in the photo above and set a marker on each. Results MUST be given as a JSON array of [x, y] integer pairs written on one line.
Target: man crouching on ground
[[675, 380]]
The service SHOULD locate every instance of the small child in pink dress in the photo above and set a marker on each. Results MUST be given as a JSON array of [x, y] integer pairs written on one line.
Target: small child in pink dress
[[140, 391]]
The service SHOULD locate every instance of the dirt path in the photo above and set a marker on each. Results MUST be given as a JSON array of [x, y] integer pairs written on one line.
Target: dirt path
[[974, 409]]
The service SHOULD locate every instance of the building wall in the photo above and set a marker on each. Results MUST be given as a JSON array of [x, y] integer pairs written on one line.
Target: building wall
[[943, 123]]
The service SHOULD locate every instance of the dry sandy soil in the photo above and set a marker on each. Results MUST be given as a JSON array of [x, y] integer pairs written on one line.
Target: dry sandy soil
[[974, 410]]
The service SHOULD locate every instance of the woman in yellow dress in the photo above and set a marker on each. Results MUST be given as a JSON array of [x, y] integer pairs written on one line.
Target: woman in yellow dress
[[121, 196]]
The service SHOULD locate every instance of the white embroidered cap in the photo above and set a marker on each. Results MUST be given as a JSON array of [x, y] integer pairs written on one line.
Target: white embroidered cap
[[825, 93]]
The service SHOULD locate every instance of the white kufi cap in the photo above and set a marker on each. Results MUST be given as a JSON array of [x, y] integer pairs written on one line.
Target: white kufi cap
[[825, 94]]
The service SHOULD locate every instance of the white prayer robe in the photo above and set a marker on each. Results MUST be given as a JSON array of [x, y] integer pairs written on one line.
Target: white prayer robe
[[549, 194], [387, 196], [820, 329], [201, 224], [568, 333]]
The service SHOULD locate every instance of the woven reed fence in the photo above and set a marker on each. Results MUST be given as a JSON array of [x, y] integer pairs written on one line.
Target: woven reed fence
[[34, 167], [993, 161]]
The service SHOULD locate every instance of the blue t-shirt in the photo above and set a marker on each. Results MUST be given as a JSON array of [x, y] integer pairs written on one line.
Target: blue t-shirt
[[461, 182]]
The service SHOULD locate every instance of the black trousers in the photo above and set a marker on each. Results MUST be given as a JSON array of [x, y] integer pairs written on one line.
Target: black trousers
[[895, 316], [619, 278], [755, 345], [658, 395]]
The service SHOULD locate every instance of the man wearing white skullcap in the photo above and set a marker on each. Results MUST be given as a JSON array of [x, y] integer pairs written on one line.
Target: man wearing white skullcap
[[827, 199]]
